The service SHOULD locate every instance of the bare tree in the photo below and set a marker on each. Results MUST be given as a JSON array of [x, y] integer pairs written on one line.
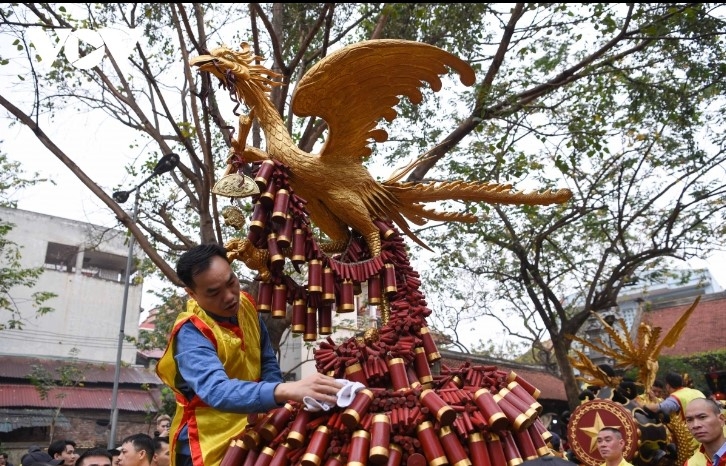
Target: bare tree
[[593, 96]]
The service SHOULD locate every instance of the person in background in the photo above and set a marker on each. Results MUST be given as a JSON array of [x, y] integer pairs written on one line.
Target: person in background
[[658, 389], [136, 450], [678, 396], [610, 445], [163, 422], [95, 457], [555, 446], [161, 452], [676, 402], [705, 422], [4, 460], [114, 452], [36, 455], [64, 449], [220, 363]]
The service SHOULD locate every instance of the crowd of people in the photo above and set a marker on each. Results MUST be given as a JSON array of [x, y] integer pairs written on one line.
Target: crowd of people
[[704, 417], [135, 450]]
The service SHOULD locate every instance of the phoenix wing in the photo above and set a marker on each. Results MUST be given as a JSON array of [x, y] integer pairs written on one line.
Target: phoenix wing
[[353, 88]]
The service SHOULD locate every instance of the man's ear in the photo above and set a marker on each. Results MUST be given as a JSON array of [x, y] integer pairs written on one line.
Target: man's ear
[[190, 292]]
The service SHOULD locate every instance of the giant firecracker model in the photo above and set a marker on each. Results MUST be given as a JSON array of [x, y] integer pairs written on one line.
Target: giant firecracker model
[[476, 415]]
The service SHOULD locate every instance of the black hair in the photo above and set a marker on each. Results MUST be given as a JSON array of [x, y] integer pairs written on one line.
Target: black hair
[[94, 452], [141, 442], [674, 380], [614, 430], [59, 446], [555, 441], [197, 260], [713, 405], [659, 383], [158, 441]]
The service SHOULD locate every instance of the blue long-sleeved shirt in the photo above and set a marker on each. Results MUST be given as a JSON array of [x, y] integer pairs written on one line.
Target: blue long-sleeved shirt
[[204, 375], [669, 405]]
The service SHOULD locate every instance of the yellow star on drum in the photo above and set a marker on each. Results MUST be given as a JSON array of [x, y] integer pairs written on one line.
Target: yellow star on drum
[[593, 431], [592, 416]]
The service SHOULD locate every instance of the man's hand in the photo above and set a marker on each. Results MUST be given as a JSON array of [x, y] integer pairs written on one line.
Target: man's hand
[[318, 386]]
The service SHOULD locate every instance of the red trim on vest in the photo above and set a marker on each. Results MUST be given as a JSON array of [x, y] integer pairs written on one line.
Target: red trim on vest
[[178, 325], [193, 430], [252, 300], [190, 420], [204, 328]]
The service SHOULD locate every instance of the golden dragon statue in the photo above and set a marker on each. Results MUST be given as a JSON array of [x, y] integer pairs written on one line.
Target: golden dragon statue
[[641, 353], [352, 89]]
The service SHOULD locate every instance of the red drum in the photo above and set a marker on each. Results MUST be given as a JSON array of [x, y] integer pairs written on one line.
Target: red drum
[[645, 439]]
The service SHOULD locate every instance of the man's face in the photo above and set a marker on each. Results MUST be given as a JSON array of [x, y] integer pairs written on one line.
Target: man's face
[[96, 461], [161, 457], [129, 456], [703, 423], [659, 392], [610, 445], [2, 461], [216, 290], [162, 426], [68, 455]]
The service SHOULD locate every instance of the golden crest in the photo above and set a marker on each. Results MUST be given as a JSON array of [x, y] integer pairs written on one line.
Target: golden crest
[[587, 420], [235, 185]]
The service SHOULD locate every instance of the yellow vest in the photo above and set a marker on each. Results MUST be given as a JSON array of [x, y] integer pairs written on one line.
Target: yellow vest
[[623, 462], [685, 395], [238, 348]]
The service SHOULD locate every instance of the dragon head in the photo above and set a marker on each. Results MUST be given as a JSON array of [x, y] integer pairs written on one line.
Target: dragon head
[[236, 67]]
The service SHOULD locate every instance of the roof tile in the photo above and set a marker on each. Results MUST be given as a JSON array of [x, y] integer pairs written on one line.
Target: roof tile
[[27, 396]]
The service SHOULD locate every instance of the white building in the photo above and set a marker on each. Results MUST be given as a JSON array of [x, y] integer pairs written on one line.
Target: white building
[[85, 267]]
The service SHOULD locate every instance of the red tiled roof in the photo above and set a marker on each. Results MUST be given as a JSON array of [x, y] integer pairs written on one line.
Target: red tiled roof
[[550, 386], [704, 329], [150, 322], [152, 353], [27, 396], [19, 367]]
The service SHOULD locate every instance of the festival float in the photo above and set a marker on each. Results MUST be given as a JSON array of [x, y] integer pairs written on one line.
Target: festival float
[[405, 414], [650, 439]]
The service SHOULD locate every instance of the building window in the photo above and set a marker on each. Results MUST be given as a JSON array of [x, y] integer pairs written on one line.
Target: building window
[[105, 266], [61, 257], [96, 264]]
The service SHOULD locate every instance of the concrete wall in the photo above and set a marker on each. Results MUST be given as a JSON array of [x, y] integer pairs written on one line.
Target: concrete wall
[[87, 310]]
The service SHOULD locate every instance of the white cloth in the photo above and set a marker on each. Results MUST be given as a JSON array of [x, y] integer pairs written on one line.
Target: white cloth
[[345, 397]]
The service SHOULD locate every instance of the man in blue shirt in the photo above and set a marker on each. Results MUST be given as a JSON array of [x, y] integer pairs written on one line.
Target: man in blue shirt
[[220, 362]]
